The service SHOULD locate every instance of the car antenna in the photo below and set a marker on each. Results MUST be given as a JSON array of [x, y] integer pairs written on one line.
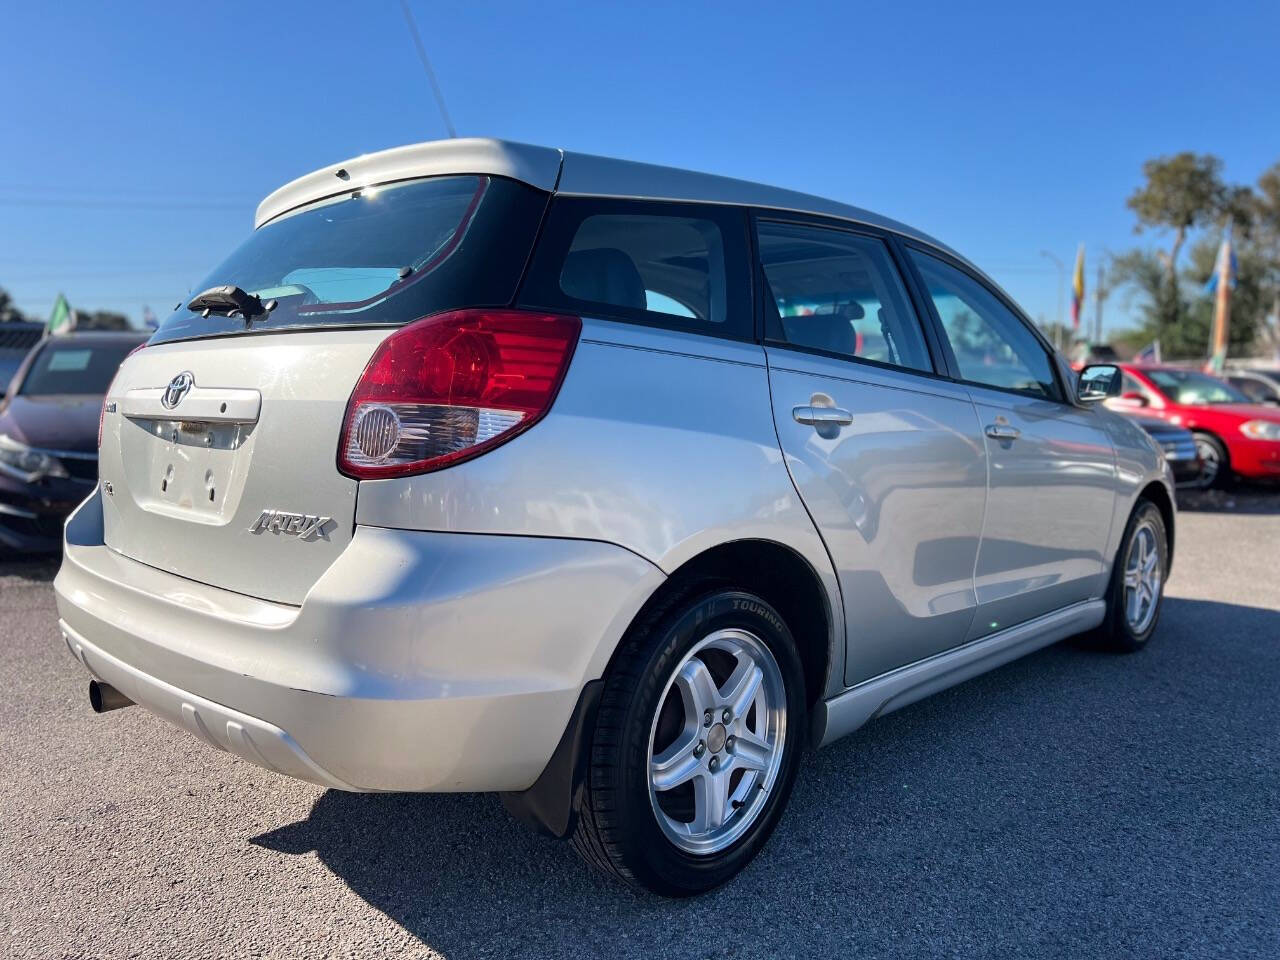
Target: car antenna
[[426, 65]]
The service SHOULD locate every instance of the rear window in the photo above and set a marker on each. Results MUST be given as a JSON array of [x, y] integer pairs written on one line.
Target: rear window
[[681, 266], [74, 368], [378, 255]]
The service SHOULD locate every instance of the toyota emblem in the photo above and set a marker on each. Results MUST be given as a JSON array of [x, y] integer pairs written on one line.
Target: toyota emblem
[[178, 388]]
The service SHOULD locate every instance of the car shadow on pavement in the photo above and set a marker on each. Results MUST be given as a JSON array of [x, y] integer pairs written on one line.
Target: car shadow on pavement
[[1242, 498], [40, 569], [1073, 802]]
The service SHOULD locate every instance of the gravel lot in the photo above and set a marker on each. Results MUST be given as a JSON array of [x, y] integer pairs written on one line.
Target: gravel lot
[[1071, 804]]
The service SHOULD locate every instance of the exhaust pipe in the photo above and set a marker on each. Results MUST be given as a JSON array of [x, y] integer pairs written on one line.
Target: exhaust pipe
[[104, 697]]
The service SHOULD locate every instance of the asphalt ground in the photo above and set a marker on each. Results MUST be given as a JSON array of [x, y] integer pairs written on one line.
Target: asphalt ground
[[1072, 804]]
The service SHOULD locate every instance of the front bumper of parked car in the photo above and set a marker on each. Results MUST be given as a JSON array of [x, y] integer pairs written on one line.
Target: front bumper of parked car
[[1182, 457], [1255, 459], [32, 512]]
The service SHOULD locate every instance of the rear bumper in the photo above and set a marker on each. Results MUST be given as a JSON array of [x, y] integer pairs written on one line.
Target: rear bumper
[[419, 661]]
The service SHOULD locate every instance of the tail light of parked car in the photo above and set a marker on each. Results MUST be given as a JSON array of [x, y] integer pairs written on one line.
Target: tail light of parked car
[[102, 411], [452, 386]]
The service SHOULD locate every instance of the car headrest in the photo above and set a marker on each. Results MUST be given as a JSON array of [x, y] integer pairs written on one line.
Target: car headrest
[[825, 331], [603, 275]]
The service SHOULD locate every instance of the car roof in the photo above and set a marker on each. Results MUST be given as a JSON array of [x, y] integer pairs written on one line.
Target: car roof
[[566, 173]]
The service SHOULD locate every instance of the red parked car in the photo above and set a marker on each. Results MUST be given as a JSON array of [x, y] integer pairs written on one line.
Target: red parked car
[[1233, 434]]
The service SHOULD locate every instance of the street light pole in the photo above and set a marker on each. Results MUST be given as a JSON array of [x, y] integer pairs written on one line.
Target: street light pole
[[1062, 292]]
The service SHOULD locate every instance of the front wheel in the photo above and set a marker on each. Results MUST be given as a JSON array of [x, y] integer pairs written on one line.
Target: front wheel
[[696, 745], [1136, 591], [1215, 467]]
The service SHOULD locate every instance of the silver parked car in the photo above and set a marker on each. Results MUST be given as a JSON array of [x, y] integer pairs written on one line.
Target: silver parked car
[[605, 486]]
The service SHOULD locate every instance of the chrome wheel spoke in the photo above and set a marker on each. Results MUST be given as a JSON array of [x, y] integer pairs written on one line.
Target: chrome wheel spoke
[[698, 690], [742, 686], [676, 764], [751, 752], [710, 802]]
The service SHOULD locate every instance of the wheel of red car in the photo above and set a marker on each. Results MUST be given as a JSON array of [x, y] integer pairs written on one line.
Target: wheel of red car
[[1215, 466]]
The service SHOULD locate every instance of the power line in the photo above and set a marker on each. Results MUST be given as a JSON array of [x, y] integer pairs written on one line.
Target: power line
[[426, 65]]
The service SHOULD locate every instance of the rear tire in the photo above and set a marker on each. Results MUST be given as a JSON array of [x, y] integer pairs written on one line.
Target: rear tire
[[696, 745], [1136, 592], [1215, 463]]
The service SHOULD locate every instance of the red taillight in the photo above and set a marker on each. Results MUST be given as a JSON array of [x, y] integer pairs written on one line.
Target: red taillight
[[102, 411], [452, 386]]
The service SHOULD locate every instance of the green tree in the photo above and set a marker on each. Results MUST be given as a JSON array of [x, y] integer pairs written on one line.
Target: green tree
[[1181, 193], [1142, 278], [1266, 236], [9, 312], [1248, 299]]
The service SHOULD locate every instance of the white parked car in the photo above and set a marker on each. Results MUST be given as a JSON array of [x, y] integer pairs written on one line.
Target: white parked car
[[609, 487]]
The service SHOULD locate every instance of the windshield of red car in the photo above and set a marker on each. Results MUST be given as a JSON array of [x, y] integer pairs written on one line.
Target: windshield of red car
[[1191, 387]]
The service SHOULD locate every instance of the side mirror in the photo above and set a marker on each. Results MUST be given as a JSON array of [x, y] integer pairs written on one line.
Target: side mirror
[[1098, 381], [1132, 399]]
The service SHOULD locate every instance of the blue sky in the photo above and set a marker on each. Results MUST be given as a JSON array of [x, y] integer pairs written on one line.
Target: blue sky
[[137, 138]]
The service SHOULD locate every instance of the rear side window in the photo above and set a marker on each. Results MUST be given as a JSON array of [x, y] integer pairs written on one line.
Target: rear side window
[[670, 265], [387, 254], [1255, 390], [837, 292]]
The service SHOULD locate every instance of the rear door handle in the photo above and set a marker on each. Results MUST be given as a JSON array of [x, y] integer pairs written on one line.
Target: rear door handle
[[1002, 431], [816, 416]]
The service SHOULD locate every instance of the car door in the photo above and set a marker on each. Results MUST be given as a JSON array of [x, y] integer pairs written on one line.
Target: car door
[[887, 456], [1051, 491]]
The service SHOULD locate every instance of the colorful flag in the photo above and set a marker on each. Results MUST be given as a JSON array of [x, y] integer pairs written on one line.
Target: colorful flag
[[1148, 354], [1221, 284], [1077, 289], [62, 319], [1226, 263]]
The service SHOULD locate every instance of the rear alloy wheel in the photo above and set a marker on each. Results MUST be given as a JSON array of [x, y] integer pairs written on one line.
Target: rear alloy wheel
[[696, 745], [1214, 465], [716, 747]]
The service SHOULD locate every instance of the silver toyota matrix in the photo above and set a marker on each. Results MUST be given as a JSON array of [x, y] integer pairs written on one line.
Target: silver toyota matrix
[[605, 486]]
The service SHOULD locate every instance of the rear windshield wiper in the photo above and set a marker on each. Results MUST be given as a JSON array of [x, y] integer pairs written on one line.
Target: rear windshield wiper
[[229, 300]]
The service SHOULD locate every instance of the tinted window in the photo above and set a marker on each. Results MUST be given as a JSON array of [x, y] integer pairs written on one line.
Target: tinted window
[[991, 344], [74, 367], [1255, 390], [671, 265], [1191, 387], [838, 292], [1130, 384], [381, 255]]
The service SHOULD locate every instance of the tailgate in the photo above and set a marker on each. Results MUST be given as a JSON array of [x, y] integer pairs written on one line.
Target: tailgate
[[219, 458]]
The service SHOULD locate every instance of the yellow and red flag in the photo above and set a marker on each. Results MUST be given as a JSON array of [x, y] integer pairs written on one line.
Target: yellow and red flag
[[1077, 289]]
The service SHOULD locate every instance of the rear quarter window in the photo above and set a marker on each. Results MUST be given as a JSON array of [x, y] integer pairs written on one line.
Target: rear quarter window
[[679, 266]]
